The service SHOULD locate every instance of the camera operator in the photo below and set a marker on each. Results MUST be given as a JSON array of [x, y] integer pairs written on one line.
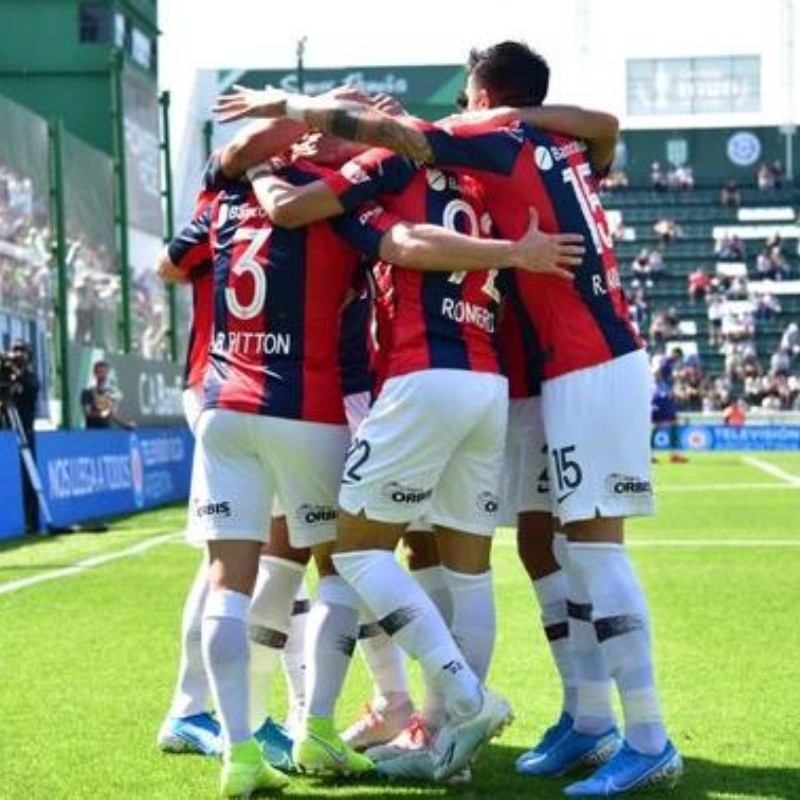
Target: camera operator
[[20, 391]]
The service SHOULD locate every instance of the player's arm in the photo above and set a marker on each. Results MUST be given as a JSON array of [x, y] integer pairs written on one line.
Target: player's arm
[[167, 271], [353, 121], [597, 128], [293, 206], [257, 142], [434, 248]]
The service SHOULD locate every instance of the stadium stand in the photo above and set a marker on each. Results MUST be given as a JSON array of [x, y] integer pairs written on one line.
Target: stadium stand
[[748, 255]]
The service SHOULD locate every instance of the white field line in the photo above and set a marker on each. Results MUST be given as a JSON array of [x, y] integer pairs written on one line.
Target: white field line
[[771, 469], [88, 563], [720, 487]]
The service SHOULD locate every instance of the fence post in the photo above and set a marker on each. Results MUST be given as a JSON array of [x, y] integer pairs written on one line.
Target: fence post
[[59, 248], [118, 129], [167, 194]]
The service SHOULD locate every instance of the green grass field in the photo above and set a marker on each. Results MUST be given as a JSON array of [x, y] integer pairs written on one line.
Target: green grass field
[[87, 660]]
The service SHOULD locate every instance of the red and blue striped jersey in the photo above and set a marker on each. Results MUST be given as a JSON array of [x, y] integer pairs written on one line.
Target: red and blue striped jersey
[[519, 349], [190, 251], [440, 320], [577, 324], [354, 354], [278, 296]]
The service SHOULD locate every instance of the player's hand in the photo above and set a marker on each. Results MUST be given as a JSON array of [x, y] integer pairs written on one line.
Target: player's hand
[[243, 102], [550, 254], [387, 104]]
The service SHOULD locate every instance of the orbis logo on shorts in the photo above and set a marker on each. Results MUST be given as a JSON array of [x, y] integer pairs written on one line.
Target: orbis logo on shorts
[[628, 484], [312, 515], [210, 509], [487, 502], [398, 493]]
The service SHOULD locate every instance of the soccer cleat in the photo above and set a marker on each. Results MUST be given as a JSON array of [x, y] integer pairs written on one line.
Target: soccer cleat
[[378, 726], [321, 751], [294, 721], [276, 745], [244, 772], [570, 752], [198, 733], [458, 741], [414, 737], [552, 735], [630, 770]]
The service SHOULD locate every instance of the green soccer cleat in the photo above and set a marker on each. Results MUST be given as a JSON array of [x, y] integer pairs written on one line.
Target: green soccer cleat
[[320, 750], [244, 771]]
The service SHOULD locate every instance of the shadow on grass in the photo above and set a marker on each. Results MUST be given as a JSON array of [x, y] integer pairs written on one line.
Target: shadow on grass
[[495, 779]]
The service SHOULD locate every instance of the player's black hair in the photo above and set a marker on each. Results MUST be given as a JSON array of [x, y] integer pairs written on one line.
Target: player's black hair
[[513, 73]]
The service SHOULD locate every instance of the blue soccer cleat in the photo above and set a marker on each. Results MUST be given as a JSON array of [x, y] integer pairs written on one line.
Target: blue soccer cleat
[[552, 735], [198, 733], [571, 751], [630, 770], [276, 745]]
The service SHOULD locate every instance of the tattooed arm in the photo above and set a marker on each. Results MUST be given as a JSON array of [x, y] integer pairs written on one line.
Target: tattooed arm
[[354, 121]]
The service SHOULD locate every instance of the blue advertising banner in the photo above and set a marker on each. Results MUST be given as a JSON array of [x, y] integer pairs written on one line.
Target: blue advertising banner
[[89, 474], [12, 516], [745, 437]]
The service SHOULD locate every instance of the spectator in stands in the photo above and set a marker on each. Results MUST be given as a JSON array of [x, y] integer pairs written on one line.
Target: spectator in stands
[[715, 313], [682, 178], [767, 305], [667, 230], [778, 269], [698, 283], [765, 178], [730, 248], [790, 339], [641, 268], [777, 173], [735, 413], [658, 269], [730, 196], [658, 180], [616, 179], [637, 308]]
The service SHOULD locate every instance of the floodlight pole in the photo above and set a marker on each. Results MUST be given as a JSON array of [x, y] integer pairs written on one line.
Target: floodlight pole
[[300, 51]]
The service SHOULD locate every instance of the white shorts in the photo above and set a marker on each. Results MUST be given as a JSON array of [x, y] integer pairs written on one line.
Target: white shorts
[[356, 408], [192, 405], [525, 485], [597, 423], [241, 461], [432, 446]]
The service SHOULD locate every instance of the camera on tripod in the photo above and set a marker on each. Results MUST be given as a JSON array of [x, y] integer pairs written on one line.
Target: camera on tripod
[[10, 372]]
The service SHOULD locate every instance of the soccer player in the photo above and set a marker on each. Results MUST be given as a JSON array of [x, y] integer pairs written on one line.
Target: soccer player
[[273, 414], [189, 727], [402, 466], [596, 392]]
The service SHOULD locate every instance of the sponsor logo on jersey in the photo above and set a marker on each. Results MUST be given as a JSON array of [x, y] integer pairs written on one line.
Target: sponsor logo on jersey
[[245, 212], [208, 508], [487, 502], [406, 495], [627, 484], [354, 173], [462, 311], [314, 514]]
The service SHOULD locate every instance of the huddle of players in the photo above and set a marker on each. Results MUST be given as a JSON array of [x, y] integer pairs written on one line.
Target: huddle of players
[[432, 443]]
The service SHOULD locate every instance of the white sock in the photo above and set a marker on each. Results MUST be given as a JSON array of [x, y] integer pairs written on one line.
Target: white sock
[[226, 656], [594, 713], [474, 624], [386, 662], [332, 633], [294, 655], [434, 581], [270, 616], [191, 692], [551, 594], [623, 630], [406, 613]]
